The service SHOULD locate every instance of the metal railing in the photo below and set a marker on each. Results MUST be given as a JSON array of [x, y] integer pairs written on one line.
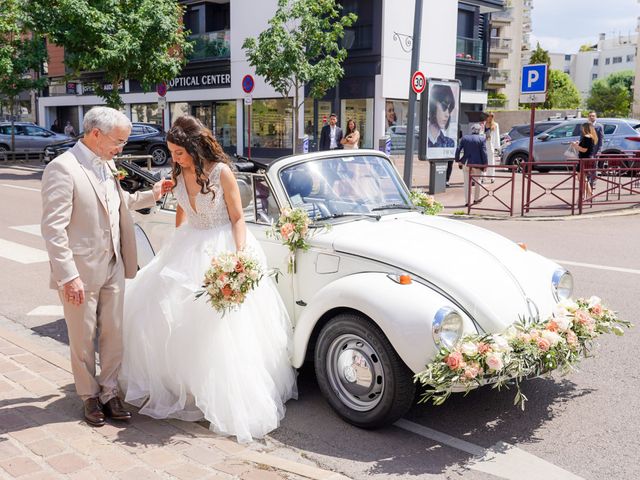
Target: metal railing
[[22, 155], [469, 49], [490, 182], [500, 45], [499, 75]]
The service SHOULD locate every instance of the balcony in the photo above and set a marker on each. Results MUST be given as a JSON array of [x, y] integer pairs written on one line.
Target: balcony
[[499, 76], [500, 45], [468, 50], [210, 45], [505, 16]]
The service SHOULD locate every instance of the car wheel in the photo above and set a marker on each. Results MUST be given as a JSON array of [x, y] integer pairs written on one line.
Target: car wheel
[[360, 374], [160, 156], [518, 160]]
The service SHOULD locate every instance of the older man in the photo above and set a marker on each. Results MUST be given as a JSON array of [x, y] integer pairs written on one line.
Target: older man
[[474, 153], [90, 238]]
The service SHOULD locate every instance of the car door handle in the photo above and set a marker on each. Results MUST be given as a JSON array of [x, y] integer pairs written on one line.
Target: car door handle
[[566, 143]]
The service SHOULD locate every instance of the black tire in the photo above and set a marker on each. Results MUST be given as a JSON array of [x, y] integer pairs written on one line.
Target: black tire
[[160, 156], [518, 159], [390, 391]]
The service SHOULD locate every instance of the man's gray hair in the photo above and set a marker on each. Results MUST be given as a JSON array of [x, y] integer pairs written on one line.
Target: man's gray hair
[[475, 128], [104, 119]]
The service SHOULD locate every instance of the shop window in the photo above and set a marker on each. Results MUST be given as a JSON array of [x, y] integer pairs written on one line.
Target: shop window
[[271, 123], [361, 111], [146, 113]]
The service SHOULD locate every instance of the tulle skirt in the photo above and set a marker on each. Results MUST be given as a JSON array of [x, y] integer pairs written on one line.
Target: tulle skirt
[[182, 359]]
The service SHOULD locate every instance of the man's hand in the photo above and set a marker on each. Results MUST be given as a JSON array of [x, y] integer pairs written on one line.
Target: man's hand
[[162, 187], [73, 292]]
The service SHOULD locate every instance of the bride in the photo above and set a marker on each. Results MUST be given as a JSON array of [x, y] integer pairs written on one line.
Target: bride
[[182, 359]]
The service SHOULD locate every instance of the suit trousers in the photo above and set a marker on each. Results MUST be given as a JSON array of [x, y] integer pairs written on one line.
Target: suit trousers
[[476, 186], [101, 313]]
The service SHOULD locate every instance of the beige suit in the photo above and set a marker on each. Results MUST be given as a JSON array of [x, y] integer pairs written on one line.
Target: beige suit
[[78, 235]]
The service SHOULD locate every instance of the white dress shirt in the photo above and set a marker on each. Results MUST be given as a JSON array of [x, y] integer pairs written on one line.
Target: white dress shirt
[[332, 137]]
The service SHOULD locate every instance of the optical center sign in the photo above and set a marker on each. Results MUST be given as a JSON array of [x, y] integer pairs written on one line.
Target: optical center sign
[[203, 80]]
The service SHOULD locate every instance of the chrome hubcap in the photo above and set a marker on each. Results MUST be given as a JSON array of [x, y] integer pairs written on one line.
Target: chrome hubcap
[[355, 372], [159, 156]]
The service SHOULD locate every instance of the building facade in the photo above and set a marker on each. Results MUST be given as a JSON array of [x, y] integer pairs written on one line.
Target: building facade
[[635, 109], [373, 91], [509, 50]]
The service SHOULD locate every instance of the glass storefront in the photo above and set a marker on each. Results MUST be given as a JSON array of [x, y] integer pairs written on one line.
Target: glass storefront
[[271, 123], [146, 113], [324, 110], [361, 111], [396, 117], [219, 117]]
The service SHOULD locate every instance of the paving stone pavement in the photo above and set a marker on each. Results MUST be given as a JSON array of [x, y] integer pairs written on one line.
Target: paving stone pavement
[[42, 436]]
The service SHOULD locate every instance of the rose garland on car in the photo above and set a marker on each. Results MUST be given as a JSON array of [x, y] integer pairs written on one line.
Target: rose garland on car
[[292, 228], [526, 349], [428, 204]]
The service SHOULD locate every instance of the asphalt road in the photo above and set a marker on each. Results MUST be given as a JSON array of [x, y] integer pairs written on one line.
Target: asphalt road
[[583, 425]]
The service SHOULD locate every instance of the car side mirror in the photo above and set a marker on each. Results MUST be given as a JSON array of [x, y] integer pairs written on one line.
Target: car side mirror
[[543, 137]]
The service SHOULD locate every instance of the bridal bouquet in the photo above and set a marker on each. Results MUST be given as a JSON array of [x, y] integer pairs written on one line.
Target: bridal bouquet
[[230, 278], [526, 349]]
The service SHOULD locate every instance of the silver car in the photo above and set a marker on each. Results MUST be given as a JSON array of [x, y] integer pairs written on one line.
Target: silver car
[[619, 135], [28, 136]]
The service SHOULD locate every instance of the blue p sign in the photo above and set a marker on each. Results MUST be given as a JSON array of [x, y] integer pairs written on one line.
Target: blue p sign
[[534, 78]]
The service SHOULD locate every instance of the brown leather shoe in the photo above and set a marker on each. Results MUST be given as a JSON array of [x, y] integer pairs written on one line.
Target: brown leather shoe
[[93, 412], [115, 409]]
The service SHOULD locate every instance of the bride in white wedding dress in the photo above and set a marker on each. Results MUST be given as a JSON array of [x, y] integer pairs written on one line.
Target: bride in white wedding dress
[[182, 359]]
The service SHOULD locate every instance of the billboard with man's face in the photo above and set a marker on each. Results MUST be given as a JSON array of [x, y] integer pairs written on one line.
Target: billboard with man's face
[[439, 119]]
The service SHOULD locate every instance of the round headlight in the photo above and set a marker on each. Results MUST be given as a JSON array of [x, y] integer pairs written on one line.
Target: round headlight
[[562, 282], [447, 327]]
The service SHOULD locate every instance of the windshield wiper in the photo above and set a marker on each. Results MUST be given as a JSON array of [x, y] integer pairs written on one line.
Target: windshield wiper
[[349, 214], [403, 206]]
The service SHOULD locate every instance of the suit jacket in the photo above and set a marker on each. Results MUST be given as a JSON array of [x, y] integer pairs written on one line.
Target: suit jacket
[[474, 148], [325, 137], [75, 223], [600, 131]]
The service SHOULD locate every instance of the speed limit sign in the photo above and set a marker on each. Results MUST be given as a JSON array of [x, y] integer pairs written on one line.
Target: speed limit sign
[[418, 82]]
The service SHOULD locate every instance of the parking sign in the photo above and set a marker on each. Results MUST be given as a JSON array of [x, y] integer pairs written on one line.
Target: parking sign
[[533, 84]]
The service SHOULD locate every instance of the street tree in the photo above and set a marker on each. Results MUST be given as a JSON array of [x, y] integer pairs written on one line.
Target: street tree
[[612, 96], [540, 55], [109, 42], [301, 47], [22, 54], [561, 91]]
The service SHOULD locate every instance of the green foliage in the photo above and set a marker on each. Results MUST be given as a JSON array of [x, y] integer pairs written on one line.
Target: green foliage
[[540, 55], [497, 99], [130, 39], [612, 96], [301, 47], [21, 53], [586, 48]]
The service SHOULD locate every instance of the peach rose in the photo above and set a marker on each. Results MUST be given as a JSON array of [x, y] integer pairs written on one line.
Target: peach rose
[[286, 230], [454, 360], [471, 371], [483, 348], [239, 267], [494, 361], [583, 317], [226, 291], [543, 344], [552, 326], [597, 309], [572, 339]]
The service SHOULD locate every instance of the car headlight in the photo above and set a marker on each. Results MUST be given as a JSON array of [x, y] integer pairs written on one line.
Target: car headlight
[[562, 282], [447, 327]]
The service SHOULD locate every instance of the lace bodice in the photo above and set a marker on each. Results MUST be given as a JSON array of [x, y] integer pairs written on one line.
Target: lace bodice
[[210, 212]]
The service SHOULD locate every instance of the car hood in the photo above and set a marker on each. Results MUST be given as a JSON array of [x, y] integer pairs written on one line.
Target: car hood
[[490, 277]]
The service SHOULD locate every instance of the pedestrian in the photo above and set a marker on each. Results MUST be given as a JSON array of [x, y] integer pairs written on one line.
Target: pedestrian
[[450, 163], [593, 119], [69, 131], [474, 148], [492, 134], [352, 138], [88, 231], [331, 134], [55, 126], [586, 148]]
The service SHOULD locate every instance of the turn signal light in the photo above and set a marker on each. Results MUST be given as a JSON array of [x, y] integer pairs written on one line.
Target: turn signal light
[[404, 279], [523, 246]]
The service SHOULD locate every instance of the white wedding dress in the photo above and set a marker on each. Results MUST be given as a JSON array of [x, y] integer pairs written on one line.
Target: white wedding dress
[[182, 359]]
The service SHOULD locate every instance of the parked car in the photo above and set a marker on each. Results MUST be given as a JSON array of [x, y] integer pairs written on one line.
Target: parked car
[[27, 136], [619, 135], [378, 293], [145, 139], [520, 131], [398, 134]]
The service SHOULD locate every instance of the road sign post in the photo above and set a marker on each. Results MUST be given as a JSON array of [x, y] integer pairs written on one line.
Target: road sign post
[[248, 84]]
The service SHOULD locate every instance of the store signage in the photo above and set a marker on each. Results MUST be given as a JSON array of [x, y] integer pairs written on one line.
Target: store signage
[[205, 80], [72, 88], [89, 88]]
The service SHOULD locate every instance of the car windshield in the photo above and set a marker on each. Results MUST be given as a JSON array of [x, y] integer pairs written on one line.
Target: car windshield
[[345, 186]]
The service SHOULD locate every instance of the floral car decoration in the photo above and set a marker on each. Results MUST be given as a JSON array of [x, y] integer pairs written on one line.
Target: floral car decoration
[[527, 348], [230, 278], [428, 204], [292, 228]]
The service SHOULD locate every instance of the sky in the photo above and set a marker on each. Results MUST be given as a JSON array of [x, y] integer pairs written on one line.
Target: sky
[[561, 26]]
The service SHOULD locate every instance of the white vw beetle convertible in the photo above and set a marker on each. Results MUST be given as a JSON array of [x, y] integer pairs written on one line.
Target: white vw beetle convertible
[[379, 291]]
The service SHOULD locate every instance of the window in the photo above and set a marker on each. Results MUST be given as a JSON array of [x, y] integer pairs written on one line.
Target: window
[[271, 123], [146, 113], [258, 202], [595, 62], [567, 58], [563, 131], [607, 61], [137, 130], [617, 59], [609, 129], [594, 76], [208, 25], [33, 131]]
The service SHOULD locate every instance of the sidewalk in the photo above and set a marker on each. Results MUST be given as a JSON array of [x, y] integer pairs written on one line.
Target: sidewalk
[[42, 435]]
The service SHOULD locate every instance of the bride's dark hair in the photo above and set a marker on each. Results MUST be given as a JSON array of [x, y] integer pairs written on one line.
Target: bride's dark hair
[[189, 133]]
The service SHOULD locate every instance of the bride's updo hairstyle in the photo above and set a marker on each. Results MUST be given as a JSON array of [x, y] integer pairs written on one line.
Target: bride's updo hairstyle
[[189, 133]]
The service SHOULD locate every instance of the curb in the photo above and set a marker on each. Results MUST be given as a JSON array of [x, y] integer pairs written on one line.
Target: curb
[[235, 450], [547, 218]]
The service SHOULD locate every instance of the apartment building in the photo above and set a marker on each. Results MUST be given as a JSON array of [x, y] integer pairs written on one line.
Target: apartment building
[[509, 49]]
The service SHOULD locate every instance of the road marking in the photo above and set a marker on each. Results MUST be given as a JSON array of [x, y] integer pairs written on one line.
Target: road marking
[[502, 460], [31, 229], [47, 311], [599, 267], [21, 253], [19, 188]]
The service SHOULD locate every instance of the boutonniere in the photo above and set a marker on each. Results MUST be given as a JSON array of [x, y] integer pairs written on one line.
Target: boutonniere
[[119, 174]]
